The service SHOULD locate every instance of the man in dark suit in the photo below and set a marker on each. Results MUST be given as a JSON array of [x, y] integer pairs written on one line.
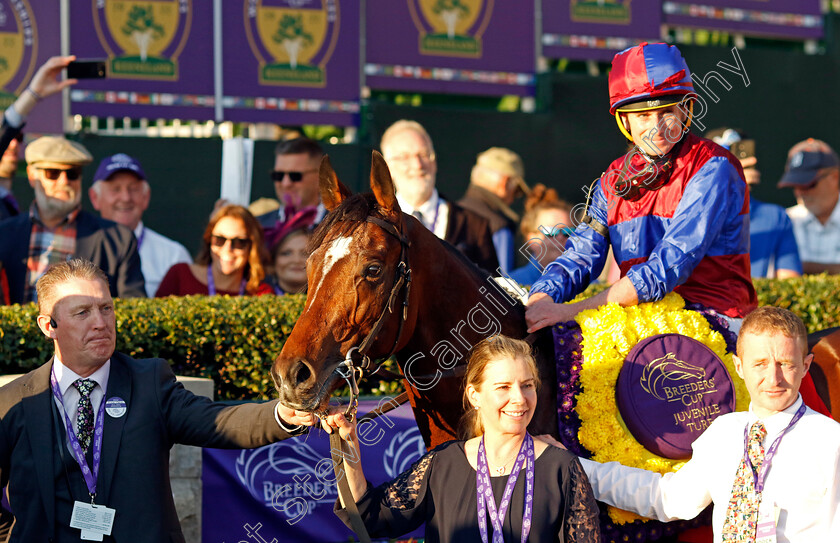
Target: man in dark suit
[[410, 155], [56, 228], [90, 410]]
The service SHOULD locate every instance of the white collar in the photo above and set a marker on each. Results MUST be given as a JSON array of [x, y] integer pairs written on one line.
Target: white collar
[[427, 208], [66, 377], [138, 230], [777, 422]]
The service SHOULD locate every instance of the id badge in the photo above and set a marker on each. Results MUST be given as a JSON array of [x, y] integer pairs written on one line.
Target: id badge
[[95, 521], [765, 530]]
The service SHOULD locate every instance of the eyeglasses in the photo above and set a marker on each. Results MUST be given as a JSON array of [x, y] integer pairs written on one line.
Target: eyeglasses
[[405, 157], [237, 244], [278, 175], [815, 182], [73, 174]]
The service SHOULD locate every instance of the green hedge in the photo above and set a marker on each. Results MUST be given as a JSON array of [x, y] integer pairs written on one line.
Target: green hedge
[[234, 340]]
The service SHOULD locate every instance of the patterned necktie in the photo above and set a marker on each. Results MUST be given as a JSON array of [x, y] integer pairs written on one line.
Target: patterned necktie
[[742, 513], [84, 412]]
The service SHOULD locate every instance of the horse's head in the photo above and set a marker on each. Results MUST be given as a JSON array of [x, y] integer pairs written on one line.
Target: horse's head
[[357, 264]]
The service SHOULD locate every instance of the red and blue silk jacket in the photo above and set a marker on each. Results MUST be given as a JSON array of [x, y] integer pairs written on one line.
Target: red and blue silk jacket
[[690, 236]]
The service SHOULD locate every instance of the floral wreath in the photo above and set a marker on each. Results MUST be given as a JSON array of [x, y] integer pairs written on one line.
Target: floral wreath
[[590, 354]]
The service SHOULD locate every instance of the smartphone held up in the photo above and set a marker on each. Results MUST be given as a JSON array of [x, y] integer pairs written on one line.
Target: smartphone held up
[[96, 68]]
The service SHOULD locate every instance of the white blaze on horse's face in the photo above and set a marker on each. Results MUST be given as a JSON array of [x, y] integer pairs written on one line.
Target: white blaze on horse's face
[[338, 249]]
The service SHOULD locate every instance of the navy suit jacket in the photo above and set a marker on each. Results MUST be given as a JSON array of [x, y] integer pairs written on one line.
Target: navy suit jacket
[[107, 244], [134, 469]]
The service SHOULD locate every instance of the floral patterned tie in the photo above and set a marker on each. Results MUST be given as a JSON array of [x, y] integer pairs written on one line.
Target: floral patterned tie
[[84, 412], [742, 513]]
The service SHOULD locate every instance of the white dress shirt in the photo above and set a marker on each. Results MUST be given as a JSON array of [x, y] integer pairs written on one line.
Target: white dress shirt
[[817, 242], [802, 480], [70, 394], [435, 212], [158, 253]]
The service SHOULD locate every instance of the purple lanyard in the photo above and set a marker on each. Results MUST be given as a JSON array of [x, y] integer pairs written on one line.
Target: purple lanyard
[[90, 478], [278, 291], [211, 285], [484, 491], [141, 237], [760, 477]]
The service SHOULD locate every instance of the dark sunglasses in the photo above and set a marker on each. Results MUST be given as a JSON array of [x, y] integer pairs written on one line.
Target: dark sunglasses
[[53, 174], [278, 175], [237, 244]]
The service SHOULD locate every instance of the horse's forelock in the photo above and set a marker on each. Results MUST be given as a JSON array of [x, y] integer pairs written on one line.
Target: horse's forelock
[[353, 211]]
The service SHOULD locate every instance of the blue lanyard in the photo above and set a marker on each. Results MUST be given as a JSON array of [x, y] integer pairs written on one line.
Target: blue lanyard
[[760, 477], [90, 476]]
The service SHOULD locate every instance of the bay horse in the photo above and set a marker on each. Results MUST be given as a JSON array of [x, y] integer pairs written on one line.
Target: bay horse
[[379, 283]]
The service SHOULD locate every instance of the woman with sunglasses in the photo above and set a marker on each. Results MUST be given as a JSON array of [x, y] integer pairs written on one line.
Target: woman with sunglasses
[[230, 260], [499, 484], [545, 227]]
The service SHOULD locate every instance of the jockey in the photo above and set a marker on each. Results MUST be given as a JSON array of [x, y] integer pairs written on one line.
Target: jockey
[[675, 209]]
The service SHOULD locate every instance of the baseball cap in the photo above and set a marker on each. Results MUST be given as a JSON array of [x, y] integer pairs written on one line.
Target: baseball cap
[[57, 149], [120, 162], [505, 162], [805, 160]]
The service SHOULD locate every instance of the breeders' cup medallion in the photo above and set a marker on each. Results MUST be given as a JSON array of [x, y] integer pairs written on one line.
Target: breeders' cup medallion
[[451, 27], [144, 38], [670, 388], [292, 39], [18, 44], [600, 11]]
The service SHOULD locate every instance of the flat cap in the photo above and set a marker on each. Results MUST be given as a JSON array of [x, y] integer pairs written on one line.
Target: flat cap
[[59, 150], [506, 162]]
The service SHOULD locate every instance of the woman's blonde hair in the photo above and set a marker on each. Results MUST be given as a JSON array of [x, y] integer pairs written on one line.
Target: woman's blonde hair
[[491, 349]]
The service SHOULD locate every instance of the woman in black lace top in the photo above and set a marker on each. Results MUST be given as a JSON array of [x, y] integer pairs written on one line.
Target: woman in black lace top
[[540, 492]]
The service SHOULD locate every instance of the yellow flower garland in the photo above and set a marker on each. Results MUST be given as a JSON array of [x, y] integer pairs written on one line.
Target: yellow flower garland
[[609, 333]]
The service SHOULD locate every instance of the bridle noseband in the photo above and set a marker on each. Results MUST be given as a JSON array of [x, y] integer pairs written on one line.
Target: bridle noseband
[[351, 369]]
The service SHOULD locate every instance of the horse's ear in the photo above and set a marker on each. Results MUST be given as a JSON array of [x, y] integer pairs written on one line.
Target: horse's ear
[[333, 191], [382, 185]]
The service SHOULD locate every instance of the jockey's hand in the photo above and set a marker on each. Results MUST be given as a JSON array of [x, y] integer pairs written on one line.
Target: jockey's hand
[[542, 312], [294, 417]]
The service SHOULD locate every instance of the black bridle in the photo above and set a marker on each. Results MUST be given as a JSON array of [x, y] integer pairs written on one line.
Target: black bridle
[[356, 361]]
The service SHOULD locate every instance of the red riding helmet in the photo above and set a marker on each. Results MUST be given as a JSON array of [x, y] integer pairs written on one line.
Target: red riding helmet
[[648, 76]]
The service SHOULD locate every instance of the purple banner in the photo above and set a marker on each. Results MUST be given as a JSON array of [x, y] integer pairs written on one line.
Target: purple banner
[[285, 492], [451, 46], [29, 35], [291, 61], [160, 58], [597, 29], [777, 18]]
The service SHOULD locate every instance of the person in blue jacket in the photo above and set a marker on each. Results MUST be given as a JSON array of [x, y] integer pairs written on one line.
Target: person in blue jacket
[[773, 249], [675, 209]]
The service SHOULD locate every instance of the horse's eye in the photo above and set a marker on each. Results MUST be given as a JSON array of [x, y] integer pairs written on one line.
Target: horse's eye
[[373, 271]]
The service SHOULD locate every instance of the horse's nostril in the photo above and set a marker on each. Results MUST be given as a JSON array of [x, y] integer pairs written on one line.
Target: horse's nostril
[[303, 374]]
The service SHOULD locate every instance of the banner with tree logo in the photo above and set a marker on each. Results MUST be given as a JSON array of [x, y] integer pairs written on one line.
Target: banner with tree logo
[[291, 61], [597, 29], [159, 54], [451, 46], [29, 35], [775, 18]]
